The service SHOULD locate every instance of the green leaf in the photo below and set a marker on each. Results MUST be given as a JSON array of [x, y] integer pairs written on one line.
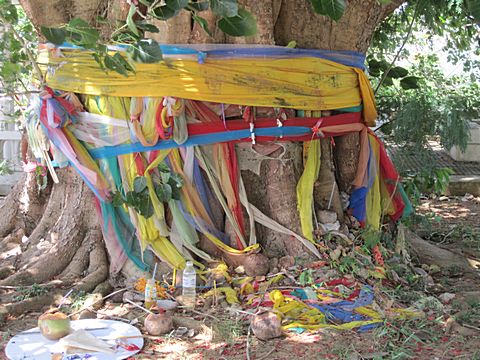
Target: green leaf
[[410, 82], [224, 8], [117, 199], [125, 37], [244, 24], [146, 51], [165, 176], [162, 167], [130, 23], [81, 33], [112, 63], [398, 72], [164, 192], [203, 23], [306, 277], [375, 67], [177, 4], [139, 184], [145, 207], [54, 35], [169, 10], [474, 9], [199, 6], [388, 81], [10, 70], [176, 193], [371, 238], [292, 44], [131, 198], [331, 8], [9, 12], [143, 25], [176, 180]]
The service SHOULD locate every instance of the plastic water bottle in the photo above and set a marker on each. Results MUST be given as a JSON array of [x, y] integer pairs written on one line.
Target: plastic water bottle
[[189, 282]]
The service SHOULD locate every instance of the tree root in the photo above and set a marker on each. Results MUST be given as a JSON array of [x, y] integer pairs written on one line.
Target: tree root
[[98, 266], [430, 254], [36, 303]]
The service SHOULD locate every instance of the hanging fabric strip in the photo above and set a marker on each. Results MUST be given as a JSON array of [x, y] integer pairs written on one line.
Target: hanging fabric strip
[[305, 189]]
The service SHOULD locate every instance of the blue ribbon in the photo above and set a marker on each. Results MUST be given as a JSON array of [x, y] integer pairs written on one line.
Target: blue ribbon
[[205, 139]]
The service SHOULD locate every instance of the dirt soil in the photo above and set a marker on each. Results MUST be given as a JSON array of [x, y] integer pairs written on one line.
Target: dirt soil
[[452, 332]]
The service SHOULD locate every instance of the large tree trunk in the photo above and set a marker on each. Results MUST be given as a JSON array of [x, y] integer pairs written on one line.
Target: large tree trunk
[[67, 237], [53, 234]]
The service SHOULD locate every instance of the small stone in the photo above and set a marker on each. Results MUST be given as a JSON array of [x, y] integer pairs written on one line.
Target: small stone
[[443, 198], [256, 265], [445, 298], [468, 197], [332, 226], [87, 314], [286, 262], [421, 272], [326, 216]]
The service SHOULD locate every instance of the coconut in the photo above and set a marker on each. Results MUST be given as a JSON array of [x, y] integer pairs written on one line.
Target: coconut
[[158, 324], [266, 325], [54, 324]]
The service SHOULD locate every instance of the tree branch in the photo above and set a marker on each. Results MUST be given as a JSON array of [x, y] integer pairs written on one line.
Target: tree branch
[[410, 28]]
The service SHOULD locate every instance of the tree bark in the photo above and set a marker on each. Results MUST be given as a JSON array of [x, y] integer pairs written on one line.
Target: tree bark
[[67, 234]]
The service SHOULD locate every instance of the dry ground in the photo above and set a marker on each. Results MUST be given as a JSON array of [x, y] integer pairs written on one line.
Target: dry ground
[[450, 222]]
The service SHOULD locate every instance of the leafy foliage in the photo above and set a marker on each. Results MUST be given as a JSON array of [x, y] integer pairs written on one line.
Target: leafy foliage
[[232, 19], [428, 103], [455, 21], [15, 67], [167, 187], [427, 181], [28, 292]]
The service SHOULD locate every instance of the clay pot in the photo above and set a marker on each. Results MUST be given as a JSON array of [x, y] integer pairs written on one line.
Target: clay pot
[[54, 324], [159, 324]]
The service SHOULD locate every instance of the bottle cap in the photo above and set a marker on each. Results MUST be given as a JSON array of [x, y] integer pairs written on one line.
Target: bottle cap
[[189, 263]]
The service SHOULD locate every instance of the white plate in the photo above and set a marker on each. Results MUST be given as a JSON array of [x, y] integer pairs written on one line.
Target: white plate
[[32, 346]]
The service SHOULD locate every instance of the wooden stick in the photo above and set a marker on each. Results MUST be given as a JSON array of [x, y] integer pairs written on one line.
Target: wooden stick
[[139, 306]]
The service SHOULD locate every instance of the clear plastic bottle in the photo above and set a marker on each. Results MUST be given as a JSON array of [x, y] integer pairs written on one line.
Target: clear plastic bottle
[[189, 283]]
